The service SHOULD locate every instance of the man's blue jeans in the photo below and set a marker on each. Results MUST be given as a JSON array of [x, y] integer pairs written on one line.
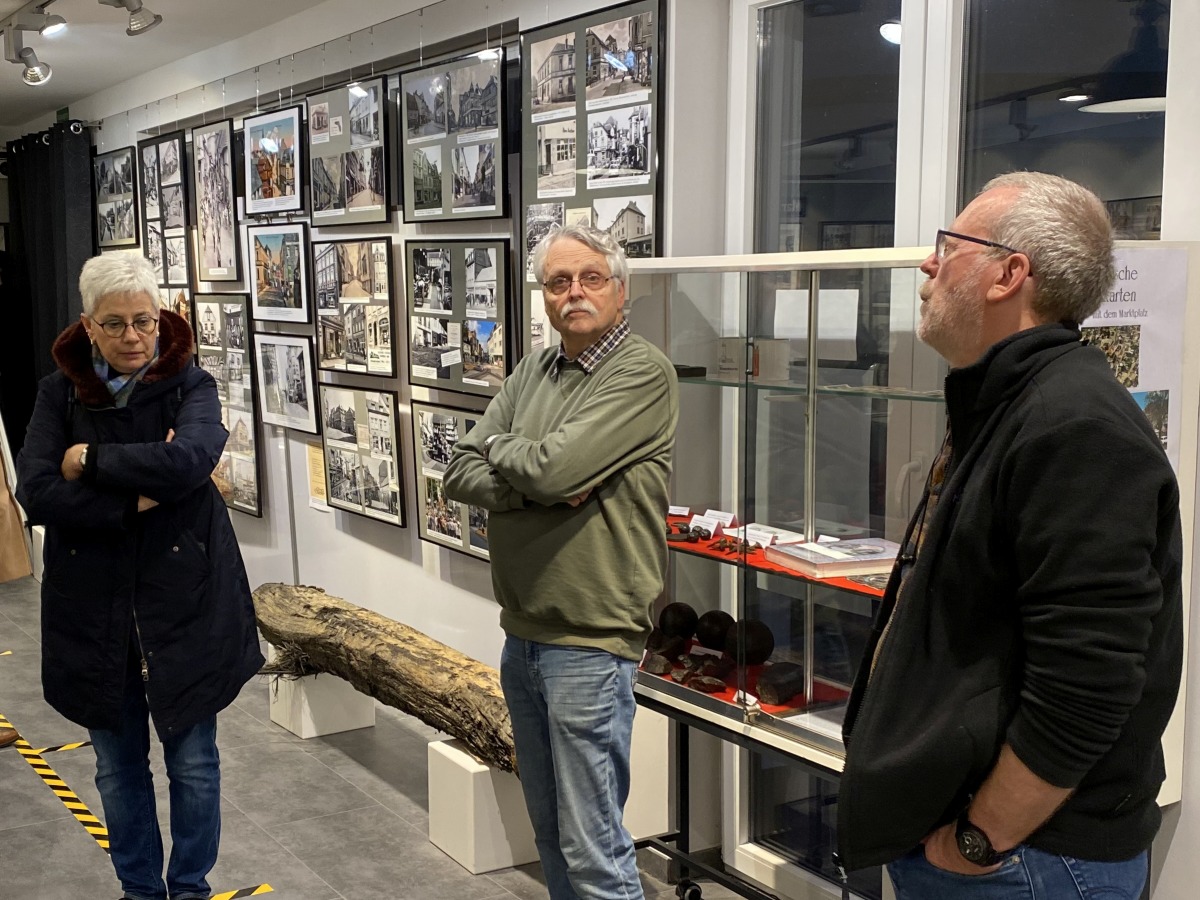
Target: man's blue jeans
[[572, 717], [1027, 874], [127, 792]]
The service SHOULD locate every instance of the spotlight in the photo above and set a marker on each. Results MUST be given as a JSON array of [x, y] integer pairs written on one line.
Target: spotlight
[[141, 19], [890, 31], [52, 25], [35, 73]]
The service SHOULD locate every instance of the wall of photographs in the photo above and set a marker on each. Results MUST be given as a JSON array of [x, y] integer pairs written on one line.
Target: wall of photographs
[[353, 287], [452, 139], [441, 521], [347, 149], [457, 298], [362, 455], [163, 189], [219, 258], [589, 137], [223, 339], [113, 178], [274, 161]]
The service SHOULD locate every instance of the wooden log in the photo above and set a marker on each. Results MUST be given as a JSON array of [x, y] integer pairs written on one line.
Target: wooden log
[[317, 632]]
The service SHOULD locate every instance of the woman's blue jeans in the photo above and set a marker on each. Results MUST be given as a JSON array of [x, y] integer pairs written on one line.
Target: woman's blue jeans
[[572, 718], [127, 792]]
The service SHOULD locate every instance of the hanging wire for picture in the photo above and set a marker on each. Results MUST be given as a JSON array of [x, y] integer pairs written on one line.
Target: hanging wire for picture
[[371, 50], [257, 86], [224, 114], [292, 80], [279, 82]]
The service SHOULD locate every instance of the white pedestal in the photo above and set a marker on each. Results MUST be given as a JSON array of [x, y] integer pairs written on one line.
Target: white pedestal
[[38, 533], [477, 814], [319, 704]]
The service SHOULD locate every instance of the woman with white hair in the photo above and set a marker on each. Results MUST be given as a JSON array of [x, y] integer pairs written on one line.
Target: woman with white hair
[[146, 610]]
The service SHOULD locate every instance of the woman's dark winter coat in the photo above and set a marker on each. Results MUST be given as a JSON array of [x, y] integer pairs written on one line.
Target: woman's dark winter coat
[[163, 589]]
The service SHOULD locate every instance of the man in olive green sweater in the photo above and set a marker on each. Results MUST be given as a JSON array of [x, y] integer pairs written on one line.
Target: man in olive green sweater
[[573, 459]]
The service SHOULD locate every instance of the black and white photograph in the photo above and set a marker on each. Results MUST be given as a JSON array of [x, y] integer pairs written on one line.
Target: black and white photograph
[[216, 202], [619, 147], [178, 301], [154, 249], [338, 414], [481, 282], [552, 78], [356, 271], [214, 365], [342, 471], [475, 176], [541, 332], [318, 123], [235, 326], [172, 207], [245, 485], [366, 118], [273, 161], [328, 186], [285, 381], [539, 219], [380, 428], [363, 179], [326, 283], [175, 254], [483, 352], [116, 212], [475, 92], [362, 466], [442, 515], [241, 431], [439, 434], [630, 222], [380, 360], [579, 215], [427, 179], [556, 159], [279, 288], [354, 306], [425, 104], [618, 63], [433, 289], [208, 324], [477, 516], [430, 343], [149, 172], [436, 430], [169, 162]]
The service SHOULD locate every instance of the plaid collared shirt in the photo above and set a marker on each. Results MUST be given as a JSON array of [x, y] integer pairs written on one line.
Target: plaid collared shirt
[[590, 358]]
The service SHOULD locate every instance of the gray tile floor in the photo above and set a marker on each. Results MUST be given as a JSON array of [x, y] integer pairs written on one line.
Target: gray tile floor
[[342, 817]]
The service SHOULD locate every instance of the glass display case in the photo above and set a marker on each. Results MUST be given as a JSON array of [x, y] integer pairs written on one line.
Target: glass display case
[[805, 433]]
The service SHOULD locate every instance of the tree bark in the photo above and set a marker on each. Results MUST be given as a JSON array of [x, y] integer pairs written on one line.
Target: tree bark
[[316, 632]]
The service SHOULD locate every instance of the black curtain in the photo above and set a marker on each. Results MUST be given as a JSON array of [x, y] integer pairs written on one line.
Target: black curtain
[[51, 235]]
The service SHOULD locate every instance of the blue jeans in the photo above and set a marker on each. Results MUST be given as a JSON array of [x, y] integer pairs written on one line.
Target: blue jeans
[[127, 792], [1027, 874], [572, 718]]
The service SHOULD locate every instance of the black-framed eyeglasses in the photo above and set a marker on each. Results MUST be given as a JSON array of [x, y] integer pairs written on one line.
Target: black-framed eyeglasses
[[939, 245], [589, 281], [115, 328]]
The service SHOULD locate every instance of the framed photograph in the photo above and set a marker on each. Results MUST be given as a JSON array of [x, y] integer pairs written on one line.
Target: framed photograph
[[440, 520], [164, 202], [353, 285], [362, 455], [273, 161], [452, 139], [348, 153], [225, 350], [284, 367], [1136, 218], [457, 297], [856, 235], [114, 177], [279, 287], [590, 131], [216, 203]]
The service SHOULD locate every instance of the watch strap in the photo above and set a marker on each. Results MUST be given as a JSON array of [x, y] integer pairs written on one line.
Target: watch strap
[[974, 845]]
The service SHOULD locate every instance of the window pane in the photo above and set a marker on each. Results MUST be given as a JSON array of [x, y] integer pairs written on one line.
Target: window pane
[[1030, 63], [828, 87]]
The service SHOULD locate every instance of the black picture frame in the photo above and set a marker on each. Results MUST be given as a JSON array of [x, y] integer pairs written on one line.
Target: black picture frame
[[363, 464], [467, 136], [164, 198], [225, 349], [274, 171], [458, 340], [348, 145], [219, 257], [446, 523], [354, 301], [286, 381], [280, 285], [114, 191]]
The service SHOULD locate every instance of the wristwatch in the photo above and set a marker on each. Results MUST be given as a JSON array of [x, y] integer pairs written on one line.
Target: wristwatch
[[487, 445], [974, 845]]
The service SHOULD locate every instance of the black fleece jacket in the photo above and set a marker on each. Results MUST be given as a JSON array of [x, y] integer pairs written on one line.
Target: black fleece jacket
[[1044, 611]]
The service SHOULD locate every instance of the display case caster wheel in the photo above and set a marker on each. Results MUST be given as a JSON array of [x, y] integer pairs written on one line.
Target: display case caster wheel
[[688, 890]]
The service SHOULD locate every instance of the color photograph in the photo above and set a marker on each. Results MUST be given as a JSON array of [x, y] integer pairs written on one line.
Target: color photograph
[[272, 162], [280, 284]]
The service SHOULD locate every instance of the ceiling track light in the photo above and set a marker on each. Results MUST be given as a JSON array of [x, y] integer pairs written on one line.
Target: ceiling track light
[[36, 73], [141, 19], [30, 18]]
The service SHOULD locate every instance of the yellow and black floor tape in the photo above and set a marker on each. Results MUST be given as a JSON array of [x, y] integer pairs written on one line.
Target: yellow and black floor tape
[[79, 809]]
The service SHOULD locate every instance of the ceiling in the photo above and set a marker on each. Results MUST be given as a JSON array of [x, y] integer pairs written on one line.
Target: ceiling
[[94, 52]]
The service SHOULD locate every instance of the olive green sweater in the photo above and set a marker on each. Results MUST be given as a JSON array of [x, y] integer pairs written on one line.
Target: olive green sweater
[[582, 576]]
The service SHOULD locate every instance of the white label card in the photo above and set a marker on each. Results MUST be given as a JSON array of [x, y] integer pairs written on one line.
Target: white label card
[[725, 518], [759, 536], [451, 357], [454, 334], [679, 510], [713, 525]]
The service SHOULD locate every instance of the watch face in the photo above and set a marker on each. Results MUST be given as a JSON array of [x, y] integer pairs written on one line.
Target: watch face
[[973, 845]]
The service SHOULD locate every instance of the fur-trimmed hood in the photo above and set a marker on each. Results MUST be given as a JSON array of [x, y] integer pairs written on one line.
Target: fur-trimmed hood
[[72, 352]]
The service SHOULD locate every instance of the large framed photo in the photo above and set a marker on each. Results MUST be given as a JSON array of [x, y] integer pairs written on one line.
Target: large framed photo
[[440, 520], [216, 203], [457, 296], [164, 204], [224, 347], [590, 134], [354, 306], [362, 455], [347, 149], [284, 367], [279, 288], [273, 162], [452, 139], [114, 175]]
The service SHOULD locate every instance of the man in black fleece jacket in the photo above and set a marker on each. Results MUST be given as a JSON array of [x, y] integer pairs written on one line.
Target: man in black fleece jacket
[[1003, 734]]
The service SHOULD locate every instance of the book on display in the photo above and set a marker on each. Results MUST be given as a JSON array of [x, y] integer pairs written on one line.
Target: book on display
[[860, 556]]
